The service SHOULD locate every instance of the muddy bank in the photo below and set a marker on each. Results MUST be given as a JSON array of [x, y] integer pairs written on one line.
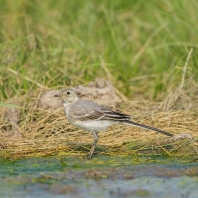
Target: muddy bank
[[102, 177]]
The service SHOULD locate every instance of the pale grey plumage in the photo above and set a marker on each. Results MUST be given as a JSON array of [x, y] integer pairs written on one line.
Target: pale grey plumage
[[90, 116]]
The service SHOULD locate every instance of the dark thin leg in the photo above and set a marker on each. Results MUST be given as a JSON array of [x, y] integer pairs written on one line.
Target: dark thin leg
[[95, 137]]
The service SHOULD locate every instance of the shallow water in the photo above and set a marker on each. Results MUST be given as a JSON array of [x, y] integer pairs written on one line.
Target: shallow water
[[104, 176]]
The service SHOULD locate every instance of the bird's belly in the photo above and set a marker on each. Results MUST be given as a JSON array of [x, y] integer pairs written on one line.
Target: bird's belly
[[93, 126]]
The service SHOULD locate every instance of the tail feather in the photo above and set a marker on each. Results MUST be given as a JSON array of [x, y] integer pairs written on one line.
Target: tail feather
[[146, 127]]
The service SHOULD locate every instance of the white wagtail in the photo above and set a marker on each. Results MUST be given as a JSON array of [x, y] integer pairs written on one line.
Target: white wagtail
[[90, 116]]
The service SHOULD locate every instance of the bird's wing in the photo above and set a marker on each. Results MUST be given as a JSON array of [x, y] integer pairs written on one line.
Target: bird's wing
[[89, 115], [100, 114], [113, 115]]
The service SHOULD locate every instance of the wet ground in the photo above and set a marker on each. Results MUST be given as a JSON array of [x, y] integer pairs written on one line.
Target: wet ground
[[103, 176]]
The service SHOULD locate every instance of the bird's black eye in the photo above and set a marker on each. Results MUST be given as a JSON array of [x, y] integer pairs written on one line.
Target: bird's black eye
[[68, 93]]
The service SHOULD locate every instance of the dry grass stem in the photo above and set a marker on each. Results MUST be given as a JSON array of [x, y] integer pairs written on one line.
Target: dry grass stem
[[44, 130]]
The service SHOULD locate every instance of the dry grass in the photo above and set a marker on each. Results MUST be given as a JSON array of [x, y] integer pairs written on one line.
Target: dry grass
[[45, 44], [41, 132]]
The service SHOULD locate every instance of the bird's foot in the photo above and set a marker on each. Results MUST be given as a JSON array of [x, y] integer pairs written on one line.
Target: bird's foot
[[88, 156]]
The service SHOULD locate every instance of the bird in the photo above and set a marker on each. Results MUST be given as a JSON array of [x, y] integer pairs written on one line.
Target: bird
[[92, 117]]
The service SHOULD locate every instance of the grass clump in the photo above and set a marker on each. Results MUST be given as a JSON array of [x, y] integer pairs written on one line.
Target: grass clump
[[41, 132], [143, 45], [147, 49]]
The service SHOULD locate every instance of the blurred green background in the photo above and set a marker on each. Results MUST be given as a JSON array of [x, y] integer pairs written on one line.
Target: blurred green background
[[141, 46]]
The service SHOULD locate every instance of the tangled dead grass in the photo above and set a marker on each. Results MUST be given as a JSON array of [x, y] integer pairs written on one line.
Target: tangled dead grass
[[39, 127]]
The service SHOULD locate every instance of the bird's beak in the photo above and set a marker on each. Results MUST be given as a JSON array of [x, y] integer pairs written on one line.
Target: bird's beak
[[57, 95]]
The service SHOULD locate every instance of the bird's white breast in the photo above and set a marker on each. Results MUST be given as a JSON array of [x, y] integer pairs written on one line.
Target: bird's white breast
[[93, 125]]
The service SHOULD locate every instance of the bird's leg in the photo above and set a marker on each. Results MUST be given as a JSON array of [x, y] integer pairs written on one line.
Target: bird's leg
[[95, 136]]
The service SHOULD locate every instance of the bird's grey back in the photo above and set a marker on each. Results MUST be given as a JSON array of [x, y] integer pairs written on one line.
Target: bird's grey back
[[85, 104], [82, 109], [85, 110]]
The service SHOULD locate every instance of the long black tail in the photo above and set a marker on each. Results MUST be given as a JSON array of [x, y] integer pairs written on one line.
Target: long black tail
[[146, 127]]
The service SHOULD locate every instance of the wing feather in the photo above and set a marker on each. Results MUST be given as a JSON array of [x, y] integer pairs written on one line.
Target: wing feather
[[94, 115], [101, 114]]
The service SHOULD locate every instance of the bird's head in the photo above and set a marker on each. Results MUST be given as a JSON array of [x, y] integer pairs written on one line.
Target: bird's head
[[67, 95]]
